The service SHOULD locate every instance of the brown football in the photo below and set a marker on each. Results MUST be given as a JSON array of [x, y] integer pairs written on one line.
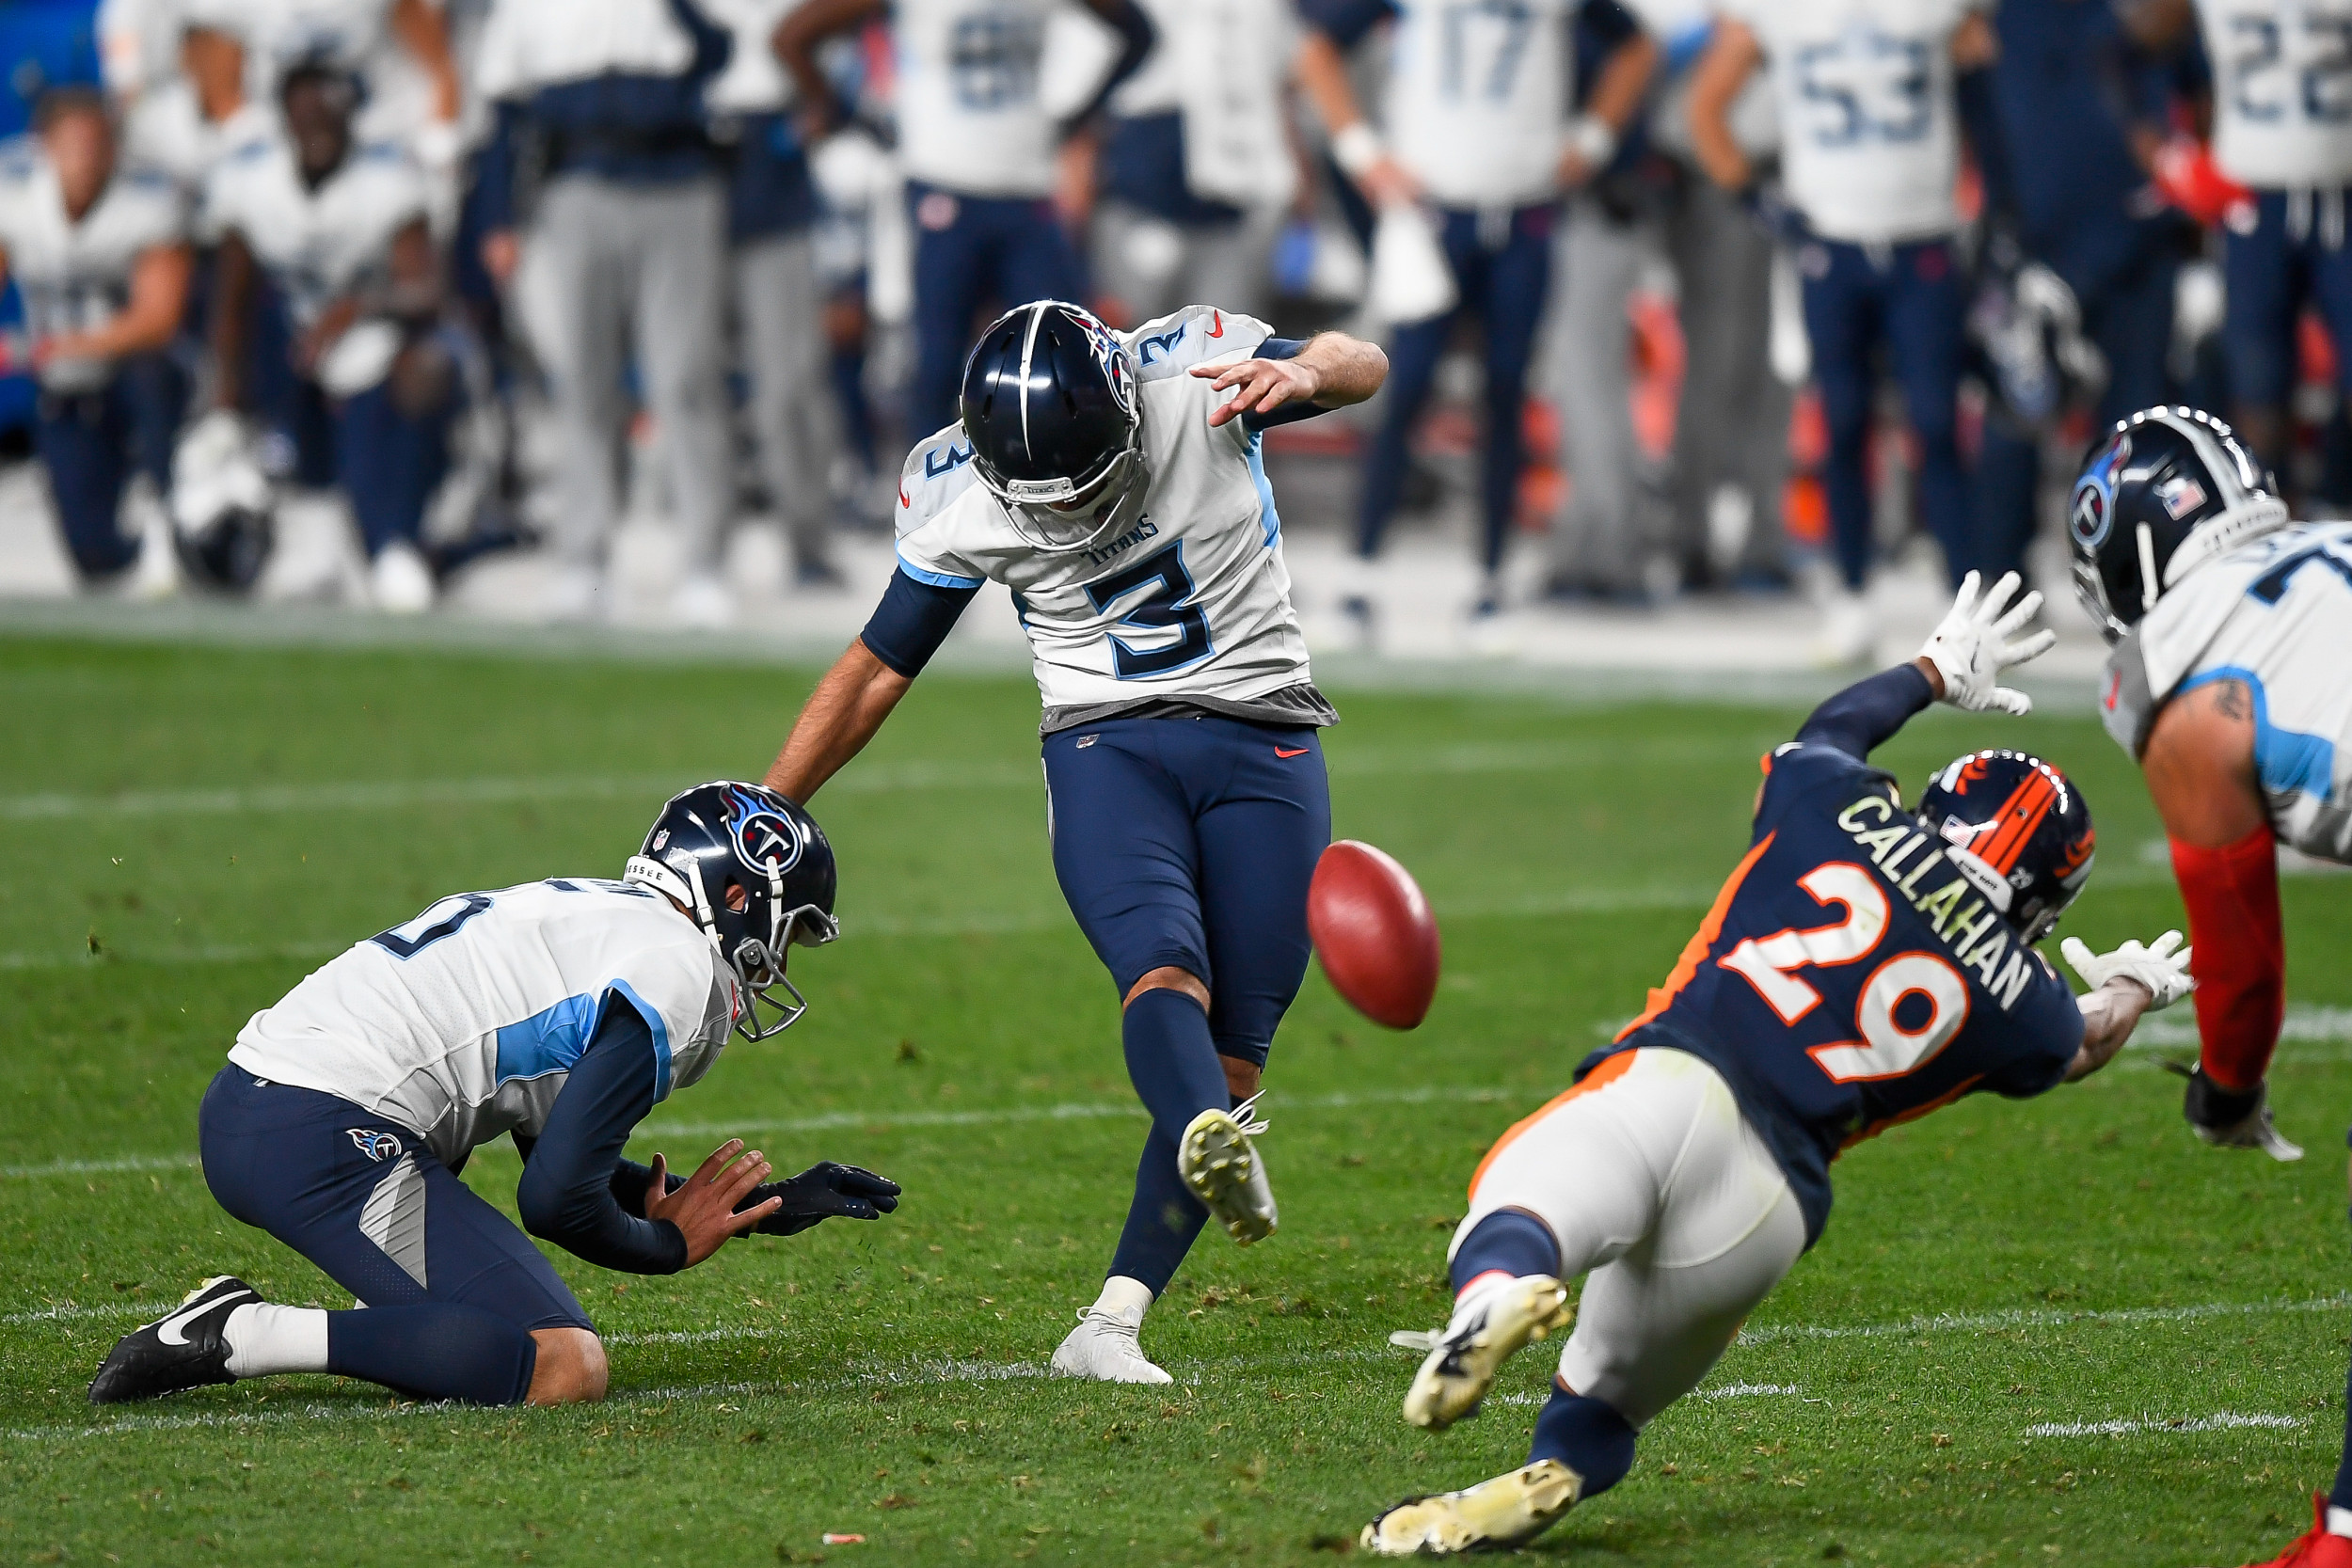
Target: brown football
[[1374, 931]]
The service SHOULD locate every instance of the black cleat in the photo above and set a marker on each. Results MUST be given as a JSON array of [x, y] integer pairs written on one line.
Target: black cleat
[[183, 1349]]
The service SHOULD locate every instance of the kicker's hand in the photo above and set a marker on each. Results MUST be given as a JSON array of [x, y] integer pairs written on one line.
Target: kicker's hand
[[2156, 968], [704, 1210], [1971, 645], [825, 1191], [1260, 386]]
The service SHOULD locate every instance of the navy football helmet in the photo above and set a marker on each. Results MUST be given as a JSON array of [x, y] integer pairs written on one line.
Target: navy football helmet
[[1049, 406], [2018, 830], [757, 874], [2168, 490]]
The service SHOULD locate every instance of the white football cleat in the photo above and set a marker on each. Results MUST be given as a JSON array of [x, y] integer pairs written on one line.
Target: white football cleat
[[1849, 633], [1489, 1327], [702, 603], [399, 581], [1508, 1511], [1105, 1348], [1226, 1172]]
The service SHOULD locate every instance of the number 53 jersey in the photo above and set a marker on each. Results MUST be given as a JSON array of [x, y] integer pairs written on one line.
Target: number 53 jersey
[[465, 1022], [1847, 977], [1189, 607]]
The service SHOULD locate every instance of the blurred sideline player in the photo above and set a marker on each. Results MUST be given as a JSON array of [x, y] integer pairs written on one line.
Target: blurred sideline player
[[2282, 128], [2227, 683], [1869, 112], [1477, 124], [341, 230], [99, 256], [399, 48], [561, 1012], [978, 148], [1863, 966], [1114, 483]]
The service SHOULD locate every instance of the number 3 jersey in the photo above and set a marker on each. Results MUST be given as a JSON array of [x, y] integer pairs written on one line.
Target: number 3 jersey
[[1190, 607], [464, 1024], [2275, 616], [1847, 977]]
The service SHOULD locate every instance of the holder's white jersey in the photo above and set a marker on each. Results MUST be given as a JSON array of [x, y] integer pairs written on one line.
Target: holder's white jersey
[[464, 1023], [317, 244], [76, 277], [1868, 116], [2281, 90], [1478, 97], [2276, 616], [970, 118], [1191, 602]]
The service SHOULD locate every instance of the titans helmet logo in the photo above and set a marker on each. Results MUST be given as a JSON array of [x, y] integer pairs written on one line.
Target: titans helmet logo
[[2092, 513], [764, 836]]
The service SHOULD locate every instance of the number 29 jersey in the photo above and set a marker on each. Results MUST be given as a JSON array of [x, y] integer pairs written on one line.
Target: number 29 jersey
[[2283, 90], [465, 1022], [1847, 977], [1190, 606]]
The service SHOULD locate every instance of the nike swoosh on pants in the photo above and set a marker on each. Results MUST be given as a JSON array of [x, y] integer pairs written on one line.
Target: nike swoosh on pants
[[1279, 752], [168, 1330]]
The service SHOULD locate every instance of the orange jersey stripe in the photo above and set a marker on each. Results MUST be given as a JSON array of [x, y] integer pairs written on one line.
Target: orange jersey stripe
[[1608, 1073], [2020, 814], [1694, 951], [1874, 1129]]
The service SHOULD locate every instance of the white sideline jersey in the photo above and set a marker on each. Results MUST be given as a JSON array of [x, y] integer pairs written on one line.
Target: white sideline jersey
[[2276, 615], [464, 1023], [2281, 90], [76, 277], [317, 244], [1478, 98], [970, 117], [1869, 113], [1192, 602]]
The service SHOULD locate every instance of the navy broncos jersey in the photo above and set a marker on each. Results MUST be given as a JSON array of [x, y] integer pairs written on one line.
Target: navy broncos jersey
[[1849, 978]]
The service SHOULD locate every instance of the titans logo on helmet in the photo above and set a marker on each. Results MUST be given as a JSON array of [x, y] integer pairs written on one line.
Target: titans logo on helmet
[[763, 836], [2092, 513]]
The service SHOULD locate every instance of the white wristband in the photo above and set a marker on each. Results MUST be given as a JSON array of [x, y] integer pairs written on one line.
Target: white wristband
[[1592, 139], [1357, 147]]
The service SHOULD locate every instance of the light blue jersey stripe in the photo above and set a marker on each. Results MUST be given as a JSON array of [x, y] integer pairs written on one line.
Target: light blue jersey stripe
[[2285, 761]]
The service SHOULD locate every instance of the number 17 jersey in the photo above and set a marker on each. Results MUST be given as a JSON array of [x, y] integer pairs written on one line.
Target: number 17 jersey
[[1847, 977]]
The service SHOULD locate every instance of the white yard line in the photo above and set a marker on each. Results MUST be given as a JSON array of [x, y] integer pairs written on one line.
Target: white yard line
[[2224, 1421], [1980, 1322]]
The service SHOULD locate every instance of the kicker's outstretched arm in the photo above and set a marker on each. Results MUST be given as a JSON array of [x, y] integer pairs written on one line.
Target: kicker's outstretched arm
[[867, 682]]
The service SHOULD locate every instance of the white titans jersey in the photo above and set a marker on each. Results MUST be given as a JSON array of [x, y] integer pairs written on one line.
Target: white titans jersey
[[2281, 90], [464, 1023], [1869, 121], [319, 244], [754, 81], [2276, 614], [76, 277], [1478, 95], [969, 115], [1192, 601]]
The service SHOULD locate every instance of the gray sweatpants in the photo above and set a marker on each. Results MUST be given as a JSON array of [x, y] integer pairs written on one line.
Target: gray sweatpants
[[1153, 266], [795, 424], [1600, 542], [639, 267]]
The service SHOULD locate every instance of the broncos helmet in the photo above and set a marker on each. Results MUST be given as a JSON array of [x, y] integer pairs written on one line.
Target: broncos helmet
[[1049, 406], [223, 507], [2018, 830], [2168, 490], [757, 874]]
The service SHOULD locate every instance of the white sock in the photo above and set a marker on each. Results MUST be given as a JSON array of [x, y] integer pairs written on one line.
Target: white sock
[[2339, 1520], [264, 1340], [1121, 1295]]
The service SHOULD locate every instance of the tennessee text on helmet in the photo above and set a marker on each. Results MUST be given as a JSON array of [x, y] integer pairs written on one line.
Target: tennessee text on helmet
[[1049, 406], [719, 841], [2168, 490], [2017, 830]]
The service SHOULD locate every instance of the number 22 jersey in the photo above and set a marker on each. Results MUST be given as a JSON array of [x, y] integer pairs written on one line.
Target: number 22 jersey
[[1847, 977], [1190, 607]]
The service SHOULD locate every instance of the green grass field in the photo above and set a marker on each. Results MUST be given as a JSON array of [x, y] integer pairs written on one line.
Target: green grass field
[[186, 832]]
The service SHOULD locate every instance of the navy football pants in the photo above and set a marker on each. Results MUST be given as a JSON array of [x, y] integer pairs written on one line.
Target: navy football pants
[[362, 1196], [1190, 842], [2298, 252], [1909, 299], [969, 250], [92, 443], [1505, 283]]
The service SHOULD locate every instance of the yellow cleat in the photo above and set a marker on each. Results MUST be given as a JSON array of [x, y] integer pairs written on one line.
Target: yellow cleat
[[1509, 1511], [1226, 1173], [1487, 1330]]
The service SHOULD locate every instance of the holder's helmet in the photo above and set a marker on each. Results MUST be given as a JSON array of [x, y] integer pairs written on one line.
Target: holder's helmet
[[1049, 406], [2018, 830]]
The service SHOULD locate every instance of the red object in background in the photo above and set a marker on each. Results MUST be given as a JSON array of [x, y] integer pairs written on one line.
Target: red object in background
[[2186, 176], [1658, 356], [1375, 934], [2315, 349]]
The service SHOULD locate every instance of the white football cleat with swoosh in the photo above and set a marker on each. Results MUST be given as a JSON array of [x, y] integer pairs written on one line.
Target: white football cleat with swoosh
[[185, 1347]]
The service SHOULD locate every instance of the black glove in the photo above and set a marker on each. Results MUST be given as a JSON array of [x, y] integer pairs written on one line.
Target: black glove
[[820, 1193]]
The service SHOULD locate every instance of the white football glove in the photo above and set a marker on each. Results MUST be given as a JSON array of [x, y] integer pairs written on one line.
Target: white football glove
[[2156, 966], [1971, 645]]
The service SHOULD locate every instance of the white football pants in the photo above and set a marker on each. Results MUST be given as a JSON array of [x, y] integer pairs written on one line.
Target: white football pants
[[1648, 1177]]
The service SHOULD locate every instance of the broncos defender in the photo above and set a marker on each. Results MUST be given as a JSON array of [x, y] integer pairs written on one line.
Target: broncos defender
[[1113, 482], [561, 1012], [2232, 631], [1863, 965]]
